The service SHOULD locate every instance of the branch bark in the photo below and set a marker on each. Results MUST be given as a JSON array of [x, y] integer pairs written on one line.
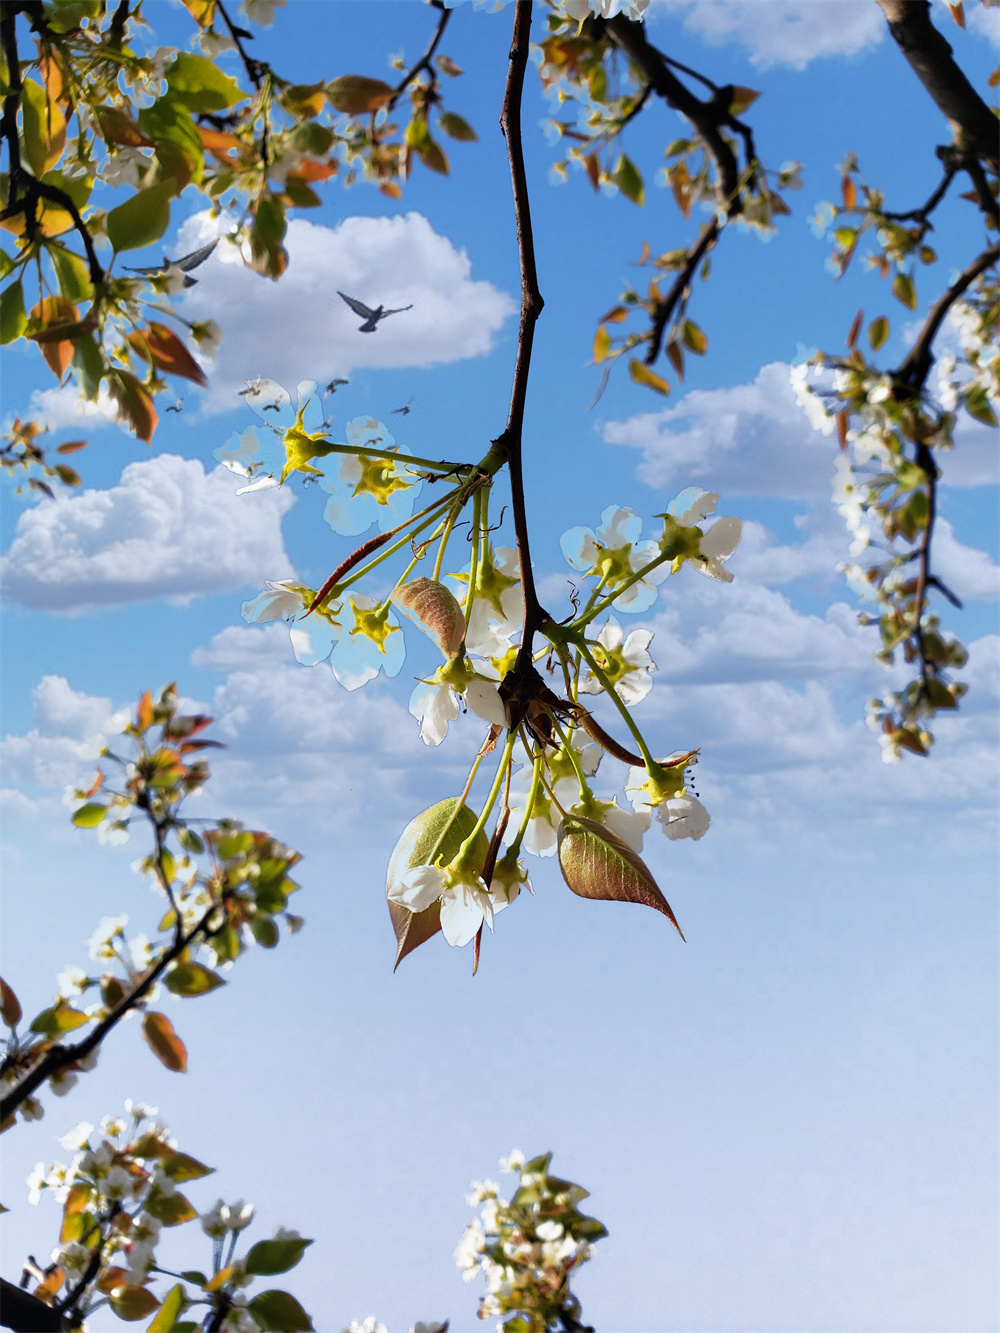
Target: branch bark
[[509, 443], [973, 125], [915, 368]]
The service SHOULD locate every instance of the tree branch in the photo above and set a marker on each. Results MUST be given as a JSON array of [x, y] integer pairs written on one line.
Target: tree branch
[[59, 1057], [25, 1313], [424, 63], [915, 368], [666, 307], [973, 125], [509, 442]]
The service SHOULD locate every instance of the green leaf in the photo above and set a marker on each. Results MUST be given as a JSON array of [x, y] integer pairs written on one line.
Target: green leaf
[[142, 219], [170, 125], [60, 1018], [693, 338], [278, 1312], [89, 366], [194, 1276], [597, 864], [132, 1303], [878, 332], [977, 404], [356, 95], [90, 815], [642, 374], [192, 979], [740, 99], [457, 128], [173, 1305], [201, 85], [425, 838], [179, 1166], [13, 319], [237, 844], [72, 274], [6, 264], [274, 1256], [626, 176], [602, 344], [264, 930], [904, 290], [190, 841], [170, 1209]]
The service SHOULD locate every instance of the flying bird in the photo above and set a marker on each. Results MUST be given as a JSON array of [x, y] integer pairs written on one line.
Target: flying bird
[[403, 411], [333, 386], [186, 264], [371, 317]]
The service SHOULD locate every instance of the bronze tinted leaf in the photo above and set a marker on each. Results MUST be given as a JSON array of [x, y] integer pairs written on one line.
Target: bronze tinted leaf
[[597, 864]]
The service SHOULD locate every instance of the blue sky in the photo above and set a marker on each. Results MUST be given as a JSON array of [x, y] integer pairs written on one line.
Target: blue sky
[[786, 1123]]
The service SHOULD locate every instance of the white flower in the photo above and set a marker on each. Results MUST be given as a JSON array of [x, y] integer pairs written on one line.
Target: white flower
[[278, 601], [112, 833], [71, 981], [579, 9], [369, 1325], [62, 1081], [72, 1256], [119, 1184], [614, 554], [549, 1230], [139, 1110], [465, 900], [626, 664], [261, 12], [433, 1327], [683, 817], [238, 1215], [208, 336], [469, 1248], [215, 1223], [692, 505], [213, 43], [434, 704], [629, 825], [514, 1162], [718, 544], [36, 1182], [78, 1137], [31, 1109], [126, 166], [110, 928], [481, 1190]]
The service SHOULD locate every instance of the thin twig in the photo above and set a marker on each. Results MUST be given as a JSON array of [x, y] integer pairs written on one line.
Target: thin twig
[[666, 307], [256, 69], [424, 63]]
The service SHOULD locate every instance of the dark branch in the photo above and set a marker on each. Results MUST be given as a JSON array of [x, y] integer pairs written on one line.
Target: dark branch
[[930, 57], [531, 307], [914, 370], [25, 1313], [668, 305], [60, 1057], [256, 69], [424, 63]]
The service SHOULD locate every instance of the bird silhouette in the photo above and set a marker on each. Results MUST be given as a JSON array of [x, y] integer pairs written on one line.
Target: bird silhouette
[[333, 386], [371, 317], [403, 411], [186, 264]]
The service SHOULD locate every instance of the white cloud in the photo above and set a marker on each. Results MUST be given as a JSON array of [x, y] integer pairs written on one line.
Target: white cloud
[[67, 725], [166, 530], [60, 407], [783, 32], [298, 327], [754, 439], [971, 574]]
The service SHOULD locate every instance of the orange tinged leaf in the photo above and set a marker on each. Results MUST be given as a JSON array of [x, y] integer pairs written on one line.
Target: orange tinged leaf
[[161, 346], [597, 864], [593, 168], [10, 1008], [135, 404], [841, 419], [848, 192], [855, 329], [164, 1042], [57, 318], [71, 446], [144, 713]]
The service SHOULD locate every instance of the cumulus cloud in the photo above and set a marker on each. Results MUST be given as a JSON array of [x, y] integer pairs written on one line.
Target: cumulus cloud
[[68, 729], [298, 327], [63, 406], [166, 530], [754, 439], [783, 32]]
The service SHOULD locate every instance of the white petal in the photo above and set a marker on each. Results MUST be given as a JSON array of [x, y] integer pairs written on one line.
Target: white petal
[[418, 888], [434, 706], [722, 538], [684, 817], [611, 635], [484, 700], [463, 908]]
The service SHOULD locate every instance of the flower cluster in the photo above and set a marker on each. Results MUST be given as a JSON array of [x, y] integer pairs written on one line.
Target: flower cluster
[[224, 888], [528, 1247], [118, 1193]]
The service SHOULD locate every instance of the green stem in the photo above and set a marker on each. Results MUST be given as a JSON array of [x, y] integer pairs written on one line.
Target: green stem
[[603, 677], [477, 514], [587, 616], [467, 847], [391, 550], [536, 782], [439, 465], [452, 519]]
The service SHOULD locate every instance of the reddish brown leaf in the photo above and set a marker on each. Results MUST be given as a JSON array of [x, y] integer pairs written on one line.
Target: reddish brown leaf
[[164, 1042], [161, 346]]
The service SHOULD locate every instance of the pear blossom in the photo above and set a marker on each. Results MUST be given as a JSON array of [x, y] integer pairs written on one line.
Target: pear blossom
[[368, 1325], [31, 1109], [139, 1110], [62, 1081], [213, 44], [580, 9], [76, 1138], [627, 664], [355, 655], [364, 490], [261, 12], [614, 554], [208, 337], [628, 825], [692, 505], [100, 946], [805, 395], [717, 545], [680, 814], [282, 600], [465, 900], [36, 1182], [437, 702], [514, 1161], [71, 981]]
